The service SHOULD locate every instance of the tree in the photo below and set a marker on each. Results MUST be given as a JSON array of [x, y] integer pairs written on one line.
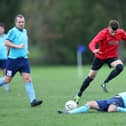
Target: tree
[[57, 27], [8, 11]]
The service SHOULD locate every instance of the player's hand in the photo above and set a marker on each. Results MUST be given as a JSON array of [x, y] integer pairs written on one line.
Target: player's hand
[[21, 46], [97, 51]]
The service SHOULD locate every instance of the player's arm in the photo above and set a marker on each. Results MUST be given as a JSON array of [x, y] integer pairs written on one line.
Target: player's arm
[[121, 109], [122, 33], [124, 36], [92, 45], [7, 50], [12, 45]]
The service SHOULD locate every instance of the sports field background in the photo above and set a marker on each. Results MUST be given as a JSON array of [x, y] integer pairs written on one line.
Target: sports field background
[[56, 85]]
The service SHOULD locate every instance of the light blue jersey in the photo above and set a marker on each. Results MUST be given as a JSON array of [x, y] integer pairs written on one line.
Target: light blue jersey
[[17, 37], [123, 96], [3, 49]]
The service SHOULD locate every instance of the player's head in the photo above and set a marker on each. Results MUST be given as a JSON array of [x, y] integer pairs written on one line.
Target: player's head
[[113, 26], [20, 21], [2, 28]]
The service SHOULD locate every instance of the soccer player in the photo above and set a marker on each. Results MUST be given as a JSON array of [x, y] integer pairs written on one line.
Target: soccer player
[[105, 48], [114, 104], [3, 52], [17, 41]]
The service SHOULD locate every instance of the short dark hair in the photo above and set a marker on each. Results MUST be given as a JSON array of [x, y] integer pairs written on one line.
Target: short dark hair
[[114, 24], [19, 15], [2, 24]]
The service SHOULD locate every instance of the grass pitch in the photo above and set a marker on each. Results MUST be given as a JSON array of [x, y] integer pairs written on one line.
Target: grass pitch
[[56, 85]]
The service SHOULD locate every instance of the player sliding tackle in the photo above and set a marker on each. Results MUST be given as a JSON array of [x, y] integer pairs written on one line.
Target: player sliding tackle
[[114, 104], [107, 41]]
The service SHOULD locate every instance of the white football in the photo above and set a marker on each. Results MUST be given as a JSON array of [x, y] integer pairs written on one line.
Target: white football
[[69, 105]]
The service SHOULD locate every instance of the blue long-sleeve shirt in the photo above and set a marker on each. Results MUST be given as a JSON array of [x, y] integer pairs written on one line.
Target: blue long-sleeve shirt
[[123, 96]]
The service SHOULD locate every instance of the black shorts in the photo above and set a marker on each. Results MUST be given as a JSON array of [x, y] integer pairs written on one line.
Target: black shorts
[[98, 63]]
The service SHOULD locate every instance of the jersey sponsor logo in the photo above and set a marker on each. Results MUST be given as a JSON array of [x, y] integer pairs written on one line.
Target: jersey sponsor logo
[[113, 42]]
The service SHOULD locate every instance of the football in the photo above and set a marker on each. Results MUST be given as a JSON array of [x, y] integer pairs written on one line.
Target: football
[[69, 105]]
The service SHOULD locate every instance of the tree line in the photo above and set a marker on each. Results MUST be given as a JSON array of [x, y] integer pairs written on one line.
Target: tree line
[[57, 27]]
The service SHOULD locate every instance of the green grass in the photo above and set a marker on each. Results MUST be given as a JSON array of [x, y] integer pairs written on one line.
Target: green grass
[[56, 85]]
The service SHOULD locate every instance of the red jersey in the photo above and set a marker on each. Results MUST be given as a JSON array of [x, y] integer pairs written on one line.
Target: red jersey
[[107, 43]]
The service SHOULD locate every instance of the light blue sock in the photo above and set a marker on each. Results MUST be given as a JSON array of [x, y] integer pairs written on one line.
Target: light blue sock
[[120, 109], [30, 91], [81, 109], [2, 81], [6, 87]]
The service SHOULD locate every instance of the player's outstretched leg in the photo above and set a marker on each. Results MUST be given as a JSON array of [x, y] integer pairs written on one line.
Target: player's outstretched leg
[[83, 87], [82, 109]]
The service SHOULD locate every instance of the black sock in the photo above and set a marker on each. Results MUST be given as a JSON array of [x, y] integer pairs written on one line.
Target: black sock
[[114, 73], [84, 85]]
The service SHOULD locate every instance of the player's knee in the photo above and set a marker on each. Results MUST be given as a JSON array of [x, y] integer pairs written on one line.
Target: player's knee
[[119, 67], [7, 79], [92, 74], [27, 80]]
